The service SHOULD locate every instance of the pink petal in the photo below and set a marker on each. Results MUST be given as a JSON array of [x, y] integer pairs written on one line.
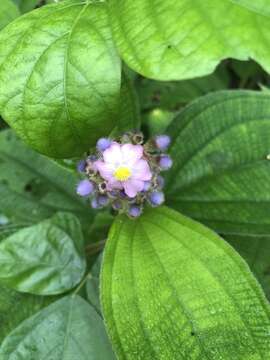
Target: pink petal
[[113, 154], [132, 187], [141, 170], [114, 184], [131, 153], [105, 170]]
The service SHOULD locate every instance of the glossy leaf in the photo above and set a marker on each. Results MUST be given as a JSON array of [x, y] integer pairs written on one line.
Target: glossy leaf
[[256, 251], [220, 147], [67, 329], [8, 12], [60, 77], [172, 289], [44, 259], [32, 187], [170, 40]]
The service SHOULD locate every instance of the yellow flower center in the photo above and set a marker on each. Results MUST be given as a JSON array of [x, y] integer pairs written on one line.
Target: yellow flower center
[[122, 173]]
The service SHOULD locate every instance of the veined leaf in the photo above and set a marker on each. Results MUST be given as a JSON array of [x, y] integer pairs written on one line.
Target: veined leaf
[[172, 289], [33, 187], [8, 12], [220, 147], [44, 259], [256, 252], [170, 40], [67, 329], [60, 77]]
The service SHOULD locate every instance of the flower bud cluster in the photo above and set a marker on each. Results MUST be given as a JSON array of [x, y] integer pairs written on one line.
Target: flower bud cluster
[[125, 173]]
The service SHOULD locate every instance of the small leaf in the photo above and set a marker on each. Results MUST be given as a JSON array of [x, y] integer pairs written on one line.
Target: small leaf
[[8, 12], [44, 259], [67, 329], [60, 77], [170, 40], [220, 147], [172, 289]]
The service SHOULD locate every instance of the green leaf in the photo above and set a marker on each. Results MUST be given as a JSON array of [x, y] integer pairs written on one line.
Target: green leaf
[[92, 285], [60, 77], [172, 289], [16, 307], [8, 12], [32, 187], [256, 252], [44, 259], [170, 40], [220, 147], [67, 329], [26, 5]]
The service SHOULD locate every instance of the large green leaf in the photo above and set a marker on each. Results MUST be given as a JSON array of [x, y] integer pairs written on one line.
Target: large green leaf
[[256, 251], [220, 147], [60, 77], [67, 329], [26, 5], [32, 187], [172, 289], [44, 259], [8, 12], [168, 39]]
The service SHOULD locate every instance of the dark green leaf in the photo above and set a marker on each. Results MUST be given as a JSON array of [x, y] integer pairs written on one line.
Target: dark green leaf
[[92, 285], [172, 289], [60, 77], [26, 5], [44, 259], [67, 329], [220, 147], [168, 39], [8, 12], [32, 187]]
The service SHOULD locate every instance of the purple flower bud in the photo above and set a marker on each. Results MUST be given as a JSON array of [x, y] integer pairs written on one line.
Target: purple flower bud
[[81, 166], [160, 181], [117, 205], [95, 204], [134, 211], [92, 158], [162, 142], [103, 144], [165, 162], [156, 198], [147, 185], [102, 200], [85, 188]]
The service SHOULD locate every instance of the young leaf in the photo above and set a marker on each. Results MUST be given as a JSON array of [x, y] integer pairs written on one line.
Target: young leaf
[[32, 187], [169, 40], [60, 77], [220, 147], [8, 12], [44, 259], [172, 289], [67, 329]]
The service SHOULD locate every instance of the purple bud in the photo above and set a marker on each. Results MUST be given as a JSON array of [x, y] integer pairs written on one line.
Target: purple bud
[[117, 205], [160, 181], [85, 188], [162, 142], [165, 162], [102, 200], [95, 204], [147, 185], [92, 158], [134, 211], [156, 198], [103, 144], [81, 166]]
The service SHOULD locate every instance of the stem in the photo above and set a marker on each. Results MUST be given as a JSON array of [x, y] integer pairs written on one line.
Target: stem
[[95, 248], [88, 276]]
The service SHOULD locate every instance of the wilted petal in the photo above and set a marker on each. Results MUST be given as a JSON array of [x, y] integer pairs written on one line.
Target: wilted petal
[[132, 187]]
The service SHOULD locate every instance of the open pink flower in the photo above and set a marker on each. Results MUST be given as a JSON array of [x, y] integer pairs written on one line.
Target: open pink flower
[[123, 167]]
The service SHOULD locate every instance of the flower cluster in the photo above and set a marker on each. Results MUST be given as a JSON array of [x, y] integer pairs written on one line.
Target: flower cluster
[[125, 173]]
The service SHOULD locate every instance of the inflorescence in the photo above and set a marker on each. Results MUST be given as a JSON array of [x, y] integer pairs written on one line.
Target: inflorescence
[[124, 173]]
